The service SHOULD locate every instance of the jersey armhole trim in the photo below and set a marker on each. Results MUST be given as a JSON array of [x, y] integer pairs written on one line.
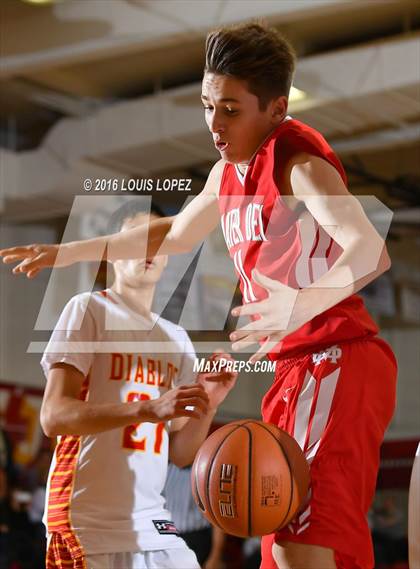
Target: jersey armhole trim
[[222, 178]]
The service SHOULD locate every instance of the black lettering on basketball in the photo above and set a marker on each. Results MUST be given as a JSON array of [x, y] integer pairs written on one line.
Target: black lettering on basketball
[[227, 489], [210, 470]]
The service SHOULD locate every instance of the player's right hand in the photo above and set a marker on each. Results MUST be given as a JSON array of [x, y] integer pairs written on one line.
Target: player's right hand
[[183, 401], [33, 258]]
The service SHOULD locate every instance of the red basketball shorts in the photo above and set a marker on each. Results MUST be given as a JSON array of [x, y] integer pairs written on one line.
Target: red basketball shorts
[[337, 404]]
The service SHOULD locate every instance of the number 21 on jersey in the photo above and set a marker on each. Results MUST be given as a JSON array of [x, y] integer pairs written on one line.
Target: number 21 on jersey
[[130, 441]]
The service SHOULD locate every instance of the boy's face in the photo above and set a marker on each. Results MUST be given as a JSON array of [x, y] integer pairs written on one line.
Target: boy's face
[[234, 118], [134, 272]]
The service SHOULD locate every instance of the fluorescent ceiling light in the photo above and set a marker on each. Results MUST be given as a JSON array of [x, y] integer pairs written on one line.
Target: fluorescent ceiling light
[[296, 95], [40, 2]]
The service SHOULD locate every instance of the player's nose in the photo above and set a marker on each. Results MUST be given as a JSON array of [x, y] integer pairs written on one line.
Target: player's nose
[[216, 124]]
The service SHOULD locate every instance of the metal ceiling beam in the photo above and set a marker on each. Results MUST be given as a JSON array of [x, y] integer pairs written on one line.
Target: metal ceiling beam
[[119, 27], [159, 133]]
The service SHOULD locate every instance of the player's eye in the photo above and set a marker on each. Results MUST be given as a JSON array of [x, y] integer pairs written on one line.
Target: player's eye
[[230, 111], [208, 108]]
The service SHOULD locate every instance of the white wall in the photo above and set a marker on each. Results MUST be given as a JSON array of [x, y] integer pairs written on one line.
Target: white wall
[[20, 300], [406, 346]]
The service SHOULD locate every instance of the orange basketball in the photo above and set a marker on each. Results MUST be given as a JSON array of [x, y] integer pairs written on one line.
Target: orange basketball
[[250, 478]]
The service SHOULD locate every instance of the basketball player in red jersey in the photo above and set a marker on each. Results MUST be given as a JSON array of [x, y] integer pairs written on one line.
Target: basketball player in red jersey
[[302, 247]]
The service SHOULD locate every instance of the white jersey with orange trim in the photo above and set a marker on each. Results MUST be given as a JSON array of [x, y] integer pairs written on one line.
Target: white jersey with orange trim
[[104, 490]]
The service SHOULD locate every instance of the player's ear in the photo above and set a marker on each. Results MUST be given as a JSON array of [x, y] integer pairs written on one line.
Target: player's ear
[[278, 109]]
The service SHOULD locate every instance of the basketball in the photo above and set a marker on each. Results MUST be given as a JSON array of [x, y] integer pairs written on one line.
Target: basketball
[[250, 478]]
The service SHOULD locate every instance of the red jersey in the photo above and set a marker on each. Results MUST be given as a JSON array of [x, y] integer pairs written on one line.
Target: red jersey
[[263, 230]]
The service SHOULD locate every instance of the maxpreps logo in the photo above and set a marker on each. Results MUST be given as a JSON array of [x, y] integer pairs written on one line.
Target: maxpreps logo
[[202, 365]]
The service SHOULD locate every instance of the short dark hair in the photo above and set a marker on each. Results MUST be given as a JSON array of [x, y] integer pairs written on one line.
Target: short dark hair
[[129, 210], [255, 53]]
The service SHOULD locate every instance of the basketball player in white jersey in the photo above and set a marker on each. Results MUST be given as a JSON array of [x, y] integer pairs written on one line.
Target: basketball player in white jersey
[[118, 415]]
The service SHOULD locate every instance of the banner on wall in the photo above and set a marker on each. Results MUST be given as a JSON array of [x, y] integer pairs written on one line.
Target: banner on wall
[[19, 416], [397, 458]]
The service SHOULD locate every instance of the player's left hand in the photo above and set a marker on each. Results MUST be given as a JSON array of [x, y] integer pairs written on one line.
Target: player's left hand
[[281, 313], [218, 383], [33, 258]]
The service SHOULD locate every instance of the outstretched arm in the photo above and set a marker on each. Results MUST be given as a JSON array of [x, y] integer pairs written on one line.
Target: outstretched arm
[[168, 235]]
